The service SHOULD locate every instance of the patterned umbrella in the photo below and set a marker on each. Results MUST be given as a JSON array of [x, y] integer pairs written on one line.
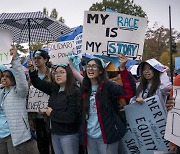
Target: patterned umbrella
[[32, 27]]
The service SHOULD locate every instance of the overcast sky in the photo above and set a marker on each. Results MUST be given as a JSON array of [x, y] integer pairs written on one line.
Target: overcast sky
[[73, 10]]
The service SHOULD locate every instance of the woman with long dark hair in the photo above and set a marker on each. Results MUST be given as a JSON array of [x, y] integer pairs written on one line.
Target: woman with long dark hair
[[153, 81], [102, 128], [62, 108]]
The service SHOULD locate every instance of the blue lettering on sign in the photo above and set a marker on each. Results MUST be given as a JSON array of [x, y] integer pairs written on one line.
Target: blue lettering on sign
[[127, 23], [128, 49]]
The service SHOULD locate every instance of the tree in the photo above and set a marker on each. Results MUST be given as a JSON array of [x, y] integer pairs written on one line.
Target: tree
[[54, 14], [21, 48], [45, 11], [120, 6], [157, 41], [36, 46]]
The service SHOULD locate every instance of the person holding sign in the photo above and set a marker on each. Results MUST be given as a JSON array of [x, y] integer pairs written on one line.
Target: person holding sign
[[153, 81], [62, 107], [102, 127], [41, 61], [15, 136]]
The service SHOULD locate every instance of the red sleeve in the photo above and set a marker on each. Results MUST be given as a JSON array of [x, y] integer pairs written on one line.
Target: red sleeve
[[127, 85]]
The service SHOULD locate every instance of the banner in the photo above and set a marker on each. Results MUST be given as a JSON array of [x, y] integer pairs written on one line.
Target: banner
[[5, 45], [173, 120], [113, 33], [146, 128], [37, 100], [58, 51]]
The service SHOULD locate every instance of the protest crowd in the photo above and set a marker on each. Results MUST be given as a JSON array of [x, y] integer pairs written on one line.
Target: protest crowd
[[87, 104]]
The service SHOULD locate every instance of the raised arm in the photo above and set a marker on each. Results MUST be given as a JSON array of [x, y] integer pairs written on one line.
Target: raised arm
[[20, 77]]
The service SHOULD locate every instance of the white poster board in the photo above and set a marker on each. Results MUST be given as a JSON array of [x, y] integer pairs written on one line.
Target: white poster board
[[5, 45], [37, 100], [113, 33], [172, 132], [58, 51]]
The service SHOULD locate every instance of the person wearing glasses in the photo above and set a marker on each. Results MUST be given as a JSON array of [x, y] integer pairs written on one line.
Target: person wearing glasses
[[102, 128], [15, 136], [41, 62], [62, 107]]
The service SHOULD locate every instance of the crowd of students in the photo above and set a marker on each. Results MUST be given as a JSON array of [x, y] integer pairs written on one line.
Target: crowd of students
[[80, 118]]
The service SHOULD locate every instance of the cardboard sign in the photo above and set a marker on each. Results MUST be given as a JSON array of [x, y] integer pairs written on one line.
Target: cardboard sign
[[173, 120], [146, 127], [113, 33], [37, 100], [58, 51], [5, 45]]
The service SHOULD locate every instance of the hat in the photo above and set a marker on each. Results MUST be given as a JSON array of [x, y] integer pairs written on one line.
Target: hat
[[154, 63], [10, 70], [42, 53], [111, 67], [2, 68]]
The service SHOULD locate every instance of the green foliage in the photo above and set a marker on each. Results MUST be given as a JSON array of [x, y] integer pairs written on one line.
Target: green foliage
[[53, 14], [45, 11], [120, 6], [36, 46], [157, 41], [21, 48]]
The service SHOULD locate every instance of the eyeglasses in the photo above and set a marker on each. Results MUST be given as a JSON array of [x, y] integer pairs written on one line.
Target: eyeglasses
[[60, 73], [37, 58], [93, 67]]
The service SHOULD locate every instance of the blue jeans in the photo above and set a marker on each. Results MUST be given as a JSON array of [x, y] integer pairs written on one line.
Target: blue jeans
[[97, 146], [65, 144]]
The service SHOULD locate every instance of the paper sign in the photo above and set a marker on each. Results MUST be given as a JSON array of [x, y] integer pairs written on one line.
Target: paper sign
[[37, 100], [113, 33], [177, 63], [5, 45], [58, 51], [78, 44], [146, 127], [173, 121]]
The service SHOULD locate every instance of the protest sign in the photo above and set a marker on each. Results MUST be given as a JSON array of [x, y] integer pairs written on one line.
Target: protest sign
[[113, 33], [146, 128], [177, 64], [5, 45], [37, 100], [58, 51], [78, 44], [172, 132]]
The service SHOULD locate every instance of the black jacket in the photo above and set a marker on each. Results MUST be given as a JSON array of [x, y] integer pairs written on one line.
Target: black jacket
[[112, 128], [64, 116]]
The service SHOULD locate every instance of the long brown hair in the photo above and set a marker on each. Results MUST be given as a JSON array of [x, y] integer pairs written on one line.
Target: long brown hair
[[144, 83], [70, 80], [86, 86]]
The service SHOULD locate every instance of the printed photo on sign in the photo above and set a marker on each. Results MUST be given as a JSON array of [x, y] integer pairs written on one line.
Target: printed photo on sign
[[112, 33], [5, 45], [173, 120], [146, 127], [37, 100]]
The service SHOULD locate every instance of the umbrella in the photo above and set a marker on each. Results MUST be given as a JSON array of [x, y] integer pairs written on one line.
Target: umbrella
[[32, 27]]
